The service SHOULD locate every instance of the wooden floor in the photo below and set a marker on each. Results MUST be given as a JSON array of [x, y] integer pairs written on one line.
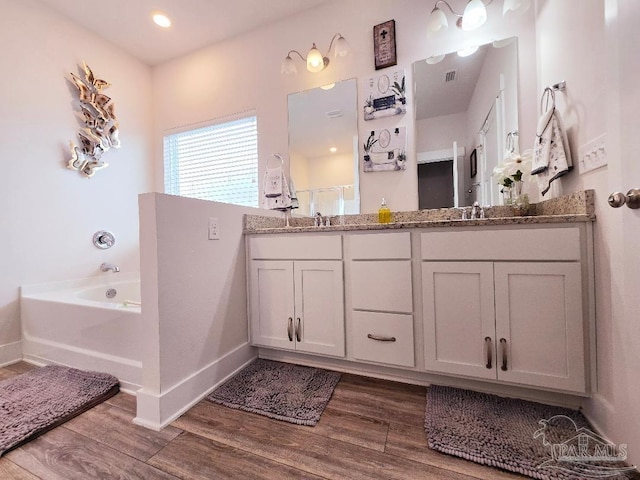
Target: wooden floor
[[371, 429]]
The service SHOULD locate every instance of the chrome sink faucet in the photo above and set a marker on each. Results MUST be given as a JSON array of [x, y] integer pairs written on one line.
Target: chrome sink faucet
[[106, 266], [476, 211]]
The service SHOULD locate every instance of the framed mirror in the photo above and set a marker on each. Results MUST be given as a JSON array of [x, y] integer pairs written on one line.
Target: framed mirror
[[323, 149], [466, 109]]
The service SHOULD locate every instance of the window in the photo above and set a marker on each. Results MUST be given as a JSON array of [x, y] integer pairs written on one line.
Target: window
[[215, 162]]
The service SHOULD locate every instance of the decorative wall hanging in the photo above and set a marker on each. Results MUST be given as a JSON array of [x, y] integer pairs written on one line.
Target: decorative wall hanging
[[384, 150], [384, 44], [100, 132], [386, 95]]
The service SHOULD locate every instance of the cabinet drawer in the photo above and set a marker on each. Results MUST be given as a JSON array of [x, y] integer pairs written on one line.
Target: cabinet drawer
[[394, 334], [296, 247], [380, 245], [520, 244], [382, 285]]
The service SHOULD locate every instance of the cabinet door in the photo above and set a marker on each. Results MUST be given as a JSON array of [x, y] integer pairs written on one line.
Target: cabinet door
[[271, 287], [319, 307], [539, 324], [459, 324]]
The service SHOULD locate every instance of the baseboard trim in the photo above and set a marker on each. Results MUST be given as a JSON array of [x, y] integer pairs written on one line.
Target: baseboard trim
[[156, 411], [10, 353]]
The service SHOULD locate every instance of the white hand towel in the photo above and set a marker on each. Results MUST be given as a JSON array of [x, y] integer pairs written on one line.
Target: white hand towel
[[273, 182], [280, 202], [552, 158]]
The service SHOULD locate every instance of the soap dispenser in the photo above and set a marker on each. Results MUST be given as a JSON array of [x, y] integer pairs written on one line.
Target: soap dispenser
[[384, 214]]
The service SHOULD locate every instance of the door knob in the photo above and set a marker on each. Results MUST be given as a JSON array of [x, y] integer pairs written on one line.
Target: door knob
[[631, 199]]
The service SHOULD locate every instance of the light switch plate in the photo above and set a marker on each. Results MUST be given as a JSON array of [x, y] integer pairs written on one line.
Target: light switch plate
[[214, 233], [593, 154]]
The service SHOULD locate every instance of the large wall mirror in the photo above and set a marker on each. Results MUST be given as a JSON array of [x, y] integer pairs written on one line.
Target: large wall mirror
[[323, 149], [466, 118]]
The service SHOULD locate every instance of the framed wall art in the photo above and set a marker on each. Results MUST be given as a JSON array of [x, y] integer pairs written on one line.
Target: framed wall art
[[385, 150], [384, 44], [385, 95], [473, 163]]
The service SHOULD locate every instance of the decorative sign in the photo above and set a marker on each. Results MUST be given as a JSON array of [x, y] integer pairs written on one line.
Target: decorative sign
[[384, 44], [386, 95], [101, 127], [384, 150]]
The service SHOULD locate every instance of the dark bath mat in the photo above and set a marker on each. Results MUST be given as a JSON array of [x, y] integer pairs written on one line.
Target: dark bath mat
[[283, 391], [541, 441], [41, 399]]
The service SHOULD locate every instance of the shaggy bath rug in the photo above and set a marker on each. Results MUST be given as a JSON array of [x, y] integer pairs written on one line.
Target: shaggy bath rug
[[291, 393], [529, 438], [41, 399]]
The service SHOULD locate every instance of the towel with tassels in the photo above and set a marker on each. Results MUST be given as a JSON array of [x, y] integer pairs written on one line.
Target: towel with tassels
[[279, 194], [552, 157]]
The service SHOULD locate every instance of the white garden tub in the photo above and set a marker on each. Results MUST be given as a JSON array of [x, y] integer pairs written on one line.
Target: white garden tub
[[75, 323]]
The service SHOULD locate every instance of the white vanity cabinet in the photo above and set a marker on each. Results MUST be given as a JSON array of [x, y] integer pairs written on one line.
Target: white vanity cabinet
[[296, 293], [381, 298], [505, 305]]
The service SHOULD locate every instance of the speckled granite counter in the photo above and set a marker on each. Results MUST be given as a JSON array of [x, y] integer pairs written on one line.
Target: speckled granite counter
[[575, 207]]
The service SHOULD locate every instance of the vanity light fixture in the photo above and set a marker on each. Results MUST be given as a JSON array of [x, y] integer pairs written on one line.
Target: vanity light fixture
[[333, 149], [161, 20], [516, 6], [474, 16], [316, 62]]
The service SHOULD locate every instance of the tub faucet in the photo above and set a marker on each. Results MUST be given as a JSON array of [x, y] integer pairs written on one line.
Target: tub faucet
[[106, 266]]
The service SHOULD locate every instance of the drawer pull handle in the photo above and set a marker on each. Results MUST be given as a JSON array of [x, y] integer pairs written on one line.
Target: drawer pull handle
[[290, 329], [503, 348], [298, 338], [380, 338], [488, 354]]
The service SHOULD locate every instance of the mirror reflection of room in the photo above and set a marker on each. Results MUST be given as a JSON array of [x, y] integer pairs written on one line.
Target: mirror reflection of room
[[466, 107], [323, 149]]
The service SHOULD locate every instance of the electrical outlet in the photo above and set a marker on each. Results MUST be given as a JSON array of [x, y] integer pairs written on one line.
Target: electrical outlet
[[593, 154], [214, 233]]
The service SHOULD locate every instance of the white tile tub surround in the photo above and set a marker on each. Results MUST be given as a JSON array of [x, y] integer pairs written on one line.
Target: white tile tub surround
[[73, 323]]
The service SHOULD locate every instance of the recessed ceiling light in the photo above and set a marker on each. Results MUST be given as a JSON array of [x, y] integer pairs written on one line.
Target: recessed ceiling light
[[333, 149], [161, 20]]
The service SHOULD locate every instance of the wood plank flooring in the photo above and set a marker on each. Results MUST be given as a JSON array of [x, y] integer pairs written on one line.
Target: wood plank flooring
[[371, 429]]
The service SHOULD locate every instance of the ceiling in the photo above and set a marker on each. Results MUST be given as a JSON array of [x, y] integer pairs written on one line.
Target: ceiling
[[195, 23]]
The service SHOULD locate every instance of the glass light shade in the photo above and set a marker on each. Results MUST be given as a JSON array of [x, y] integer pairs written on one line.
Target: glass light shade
[[342, 47], [474, 16], [288, 66], [315, 61], [437, 21]]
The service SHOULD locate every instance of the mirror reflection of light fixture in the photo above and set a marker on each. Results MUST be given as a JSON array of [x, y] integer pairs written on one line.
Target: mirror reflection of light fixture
[[316, 62], [516, 6], [474, 16], [433, 59], [161, 20], [465, 52]]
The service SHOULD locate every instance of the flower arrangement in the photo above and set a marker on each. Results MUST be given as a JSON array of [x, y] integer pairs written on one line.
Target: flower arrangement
[[511, 173]]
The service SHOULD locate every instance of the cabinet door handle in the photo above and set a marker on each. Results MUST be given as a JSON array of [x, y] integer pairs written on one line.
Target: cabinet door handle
[[488, 352], [503, 349], [380, 338], [290, 329], [298, 338]]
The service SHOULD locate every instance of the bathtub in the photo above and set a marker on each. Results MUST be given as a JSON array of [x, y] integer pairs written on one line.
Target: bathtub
[[91, 324]]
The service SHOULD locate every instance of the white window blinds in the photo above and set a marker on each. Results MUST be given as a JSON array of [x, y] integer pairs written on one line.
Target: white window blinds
[[217, 162]]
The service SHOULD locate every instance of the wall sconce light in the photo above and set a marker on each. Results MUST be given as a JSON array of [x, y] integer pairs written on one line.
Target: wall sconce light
[[316, 62], [474, 16]]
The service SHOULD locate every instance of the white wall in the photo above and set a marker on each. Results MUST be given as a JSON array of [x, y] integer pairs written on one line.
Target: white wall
[[586, 56], [195, 302], [219, 80], [439, 133], [49, 213]]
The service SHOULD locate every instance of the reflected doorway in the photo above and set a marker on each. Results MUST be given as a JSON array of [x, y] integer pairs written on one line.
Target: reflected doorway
[[435, 185]]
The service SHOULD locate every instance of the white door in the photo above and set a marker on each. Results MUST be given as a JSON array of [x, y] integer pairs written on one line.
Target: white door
[[539, 324], [491, 152], [459, 318], [272, 308], [319, 307]]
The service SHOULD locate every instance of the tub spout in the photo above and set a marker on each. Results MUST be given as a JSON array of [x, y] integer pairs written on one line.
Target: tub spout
[[106, 266]]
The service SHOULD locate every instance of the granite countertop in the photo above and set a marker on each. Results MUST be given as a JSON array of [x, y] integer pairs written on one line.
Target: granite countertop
[[575, 207]]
